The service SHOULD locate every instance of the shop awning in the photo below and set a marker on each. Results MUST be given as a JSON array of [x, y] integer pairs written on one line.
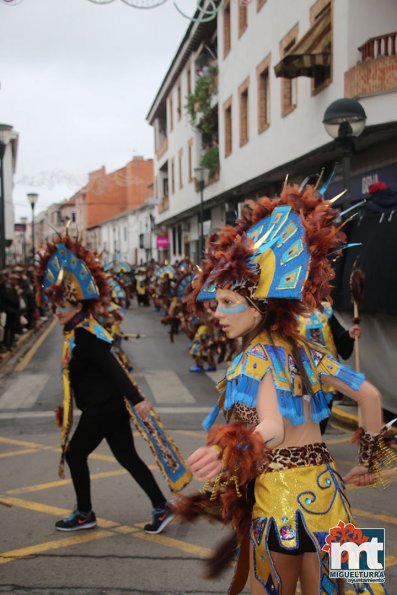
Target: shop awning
[[311, 54]]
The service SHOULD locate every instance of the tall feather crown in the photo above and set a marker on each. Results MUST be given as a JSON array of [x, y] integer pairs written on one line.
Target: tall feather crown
[[69, 272], [277, 251]]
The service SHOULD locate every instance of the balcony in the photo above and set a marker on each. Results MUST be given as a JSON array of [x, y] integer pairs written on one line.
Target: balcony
[[377, 47], [164, 204], [377, 70], [162, 148]]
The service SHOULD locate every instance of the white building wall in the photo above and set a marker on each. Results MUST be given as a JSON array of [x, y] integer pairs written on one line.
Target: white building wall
[[10, 139], [119, 238], [178, 138]]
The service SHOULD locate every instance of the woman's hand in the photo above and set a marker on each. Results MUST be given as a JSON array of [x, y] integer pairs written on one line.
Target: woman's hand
[[205, 463], [359, 476], [355, 331], [143, 409]]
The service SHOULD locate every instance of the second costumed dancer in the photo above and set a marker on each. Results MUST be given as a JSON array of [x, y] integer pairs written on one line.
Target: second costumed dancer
[[269, 474], [72, 280]]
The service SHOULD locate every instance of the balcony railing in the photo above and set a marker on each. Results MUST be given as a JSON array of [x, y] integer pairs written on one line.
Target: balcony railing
[[378, 47]]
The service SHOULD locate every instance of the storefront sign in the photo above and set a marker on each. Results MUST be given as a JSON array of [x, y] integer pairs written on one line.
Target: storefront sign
[[162, 242]]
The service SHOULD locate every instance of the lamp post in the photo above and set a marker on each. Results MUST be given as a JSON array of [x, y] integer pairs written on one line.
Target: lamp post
[[5, 131], [32, 199], [201, 173], [344, 120]]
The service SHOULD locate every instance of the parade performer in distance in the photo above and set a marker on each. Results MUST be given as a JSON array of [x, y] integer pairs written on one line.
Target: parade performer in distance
[[200, 349], [268, 474], [73, 282]]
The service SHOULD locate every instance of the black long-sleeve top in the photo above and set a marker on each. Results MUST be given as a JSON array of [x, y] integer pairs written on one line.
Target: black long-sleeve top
[[97, 378], [343, 342]]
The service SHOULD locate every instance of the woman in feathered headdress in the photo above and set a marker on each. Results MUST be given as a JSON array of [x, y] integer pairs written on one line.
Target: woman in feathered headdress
[[73, 281], [269, 475]]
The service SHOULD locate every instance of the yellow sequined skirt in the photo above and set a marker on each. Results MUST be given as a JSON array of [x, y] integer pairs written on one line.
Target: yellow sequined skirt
[[295, 497]]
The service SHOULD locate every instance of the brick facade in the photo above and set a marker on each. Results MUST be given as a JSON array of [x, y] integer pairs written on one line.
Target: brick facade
[[107, 195], [371, 77]]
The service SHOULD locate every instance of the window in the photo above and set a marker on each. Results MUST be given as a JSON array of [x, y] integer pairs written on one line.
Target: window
[[189, 79], [289, 89], [171, 114], [179, 96], [320, 10], [227, 110], [190, 159], [174, 241], [125, 234], [227, 40], [263, 82], [242, 18], [165, 187], [243, 99], [172, 176], [179, 239], [180, 164]]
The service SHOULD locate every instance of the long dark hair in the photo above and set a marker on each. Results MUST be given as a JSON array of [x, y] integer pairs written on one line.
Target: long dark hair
[[267, 324]]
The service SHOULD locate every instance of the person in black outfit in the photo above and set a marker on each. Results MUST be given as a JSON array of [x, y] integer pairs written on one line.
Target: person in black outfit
[[73, 281], [344, 343], [99, 385], [9, 303]]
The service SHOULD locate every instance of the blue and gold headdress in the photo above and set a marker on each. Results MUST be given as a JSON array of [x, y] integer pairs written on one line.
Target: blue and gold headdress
[[279, 250], [69, 272], [279, 256]]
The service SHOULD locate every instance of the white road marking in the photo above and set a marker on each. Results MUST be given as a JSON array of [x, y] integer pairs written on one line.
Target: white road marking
[[23, 392], [167, 388]]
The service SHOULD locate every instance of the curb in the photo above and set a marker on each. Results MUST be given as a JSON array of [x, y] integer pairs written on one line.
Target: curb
[[346, 420]]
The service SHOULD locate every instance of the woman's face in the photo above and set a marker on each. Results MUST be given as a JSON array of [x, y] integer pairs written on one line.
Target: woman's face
[[236, 317], [65, 311]]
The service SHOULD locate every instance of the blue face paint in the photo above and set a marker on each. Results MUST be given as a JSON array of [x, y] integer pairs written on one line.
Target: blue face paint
[[237, 309], [65, 310]]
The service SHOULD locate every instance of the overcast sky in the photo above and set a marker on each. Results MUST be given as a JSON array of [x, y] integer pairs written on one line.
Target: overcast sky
[[77, 80]]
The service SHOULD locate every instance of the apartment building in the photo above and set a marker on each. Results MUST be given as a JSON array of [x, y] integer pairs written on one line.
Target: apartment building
[[179, 145], [129, 236], [275, 73], [8, 161]]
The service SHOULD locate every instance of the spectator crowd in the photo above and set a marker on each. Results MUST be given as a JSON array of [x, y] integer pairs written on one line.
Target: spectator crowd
[[18, 309]]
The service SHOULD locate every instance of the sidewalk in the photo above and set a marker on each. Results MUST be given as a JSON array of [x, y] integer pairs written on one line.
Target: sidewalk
[[23, 344]]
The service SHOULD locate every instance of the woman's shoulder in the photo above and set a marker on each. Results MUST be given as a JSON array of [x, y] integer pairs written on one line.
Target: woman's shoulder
[[252, 361]]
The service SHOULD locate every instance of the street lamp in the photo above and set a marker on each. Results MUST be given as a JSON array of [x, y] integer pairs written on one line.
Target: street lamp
[[32, 199], [201, 172], [344, 120], [5, 130]]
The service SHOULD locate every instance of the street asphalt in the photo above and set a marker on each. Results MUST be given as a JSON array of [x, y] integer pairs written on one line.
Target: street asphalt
[[118, 557]]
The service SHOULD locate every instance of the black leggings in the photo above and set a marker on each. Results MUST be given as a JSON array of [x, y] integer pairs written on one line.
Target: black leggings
[[115, 427]]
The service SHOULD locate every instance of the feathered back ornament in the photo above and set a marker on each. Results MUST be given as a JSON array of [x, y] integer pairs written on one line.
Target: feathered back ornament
[[69, 272], [277, 253]]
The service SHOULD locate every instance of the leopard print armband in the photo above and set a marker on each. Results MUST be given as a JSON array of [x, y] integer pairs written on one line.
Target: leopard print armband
[[367, 445]]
